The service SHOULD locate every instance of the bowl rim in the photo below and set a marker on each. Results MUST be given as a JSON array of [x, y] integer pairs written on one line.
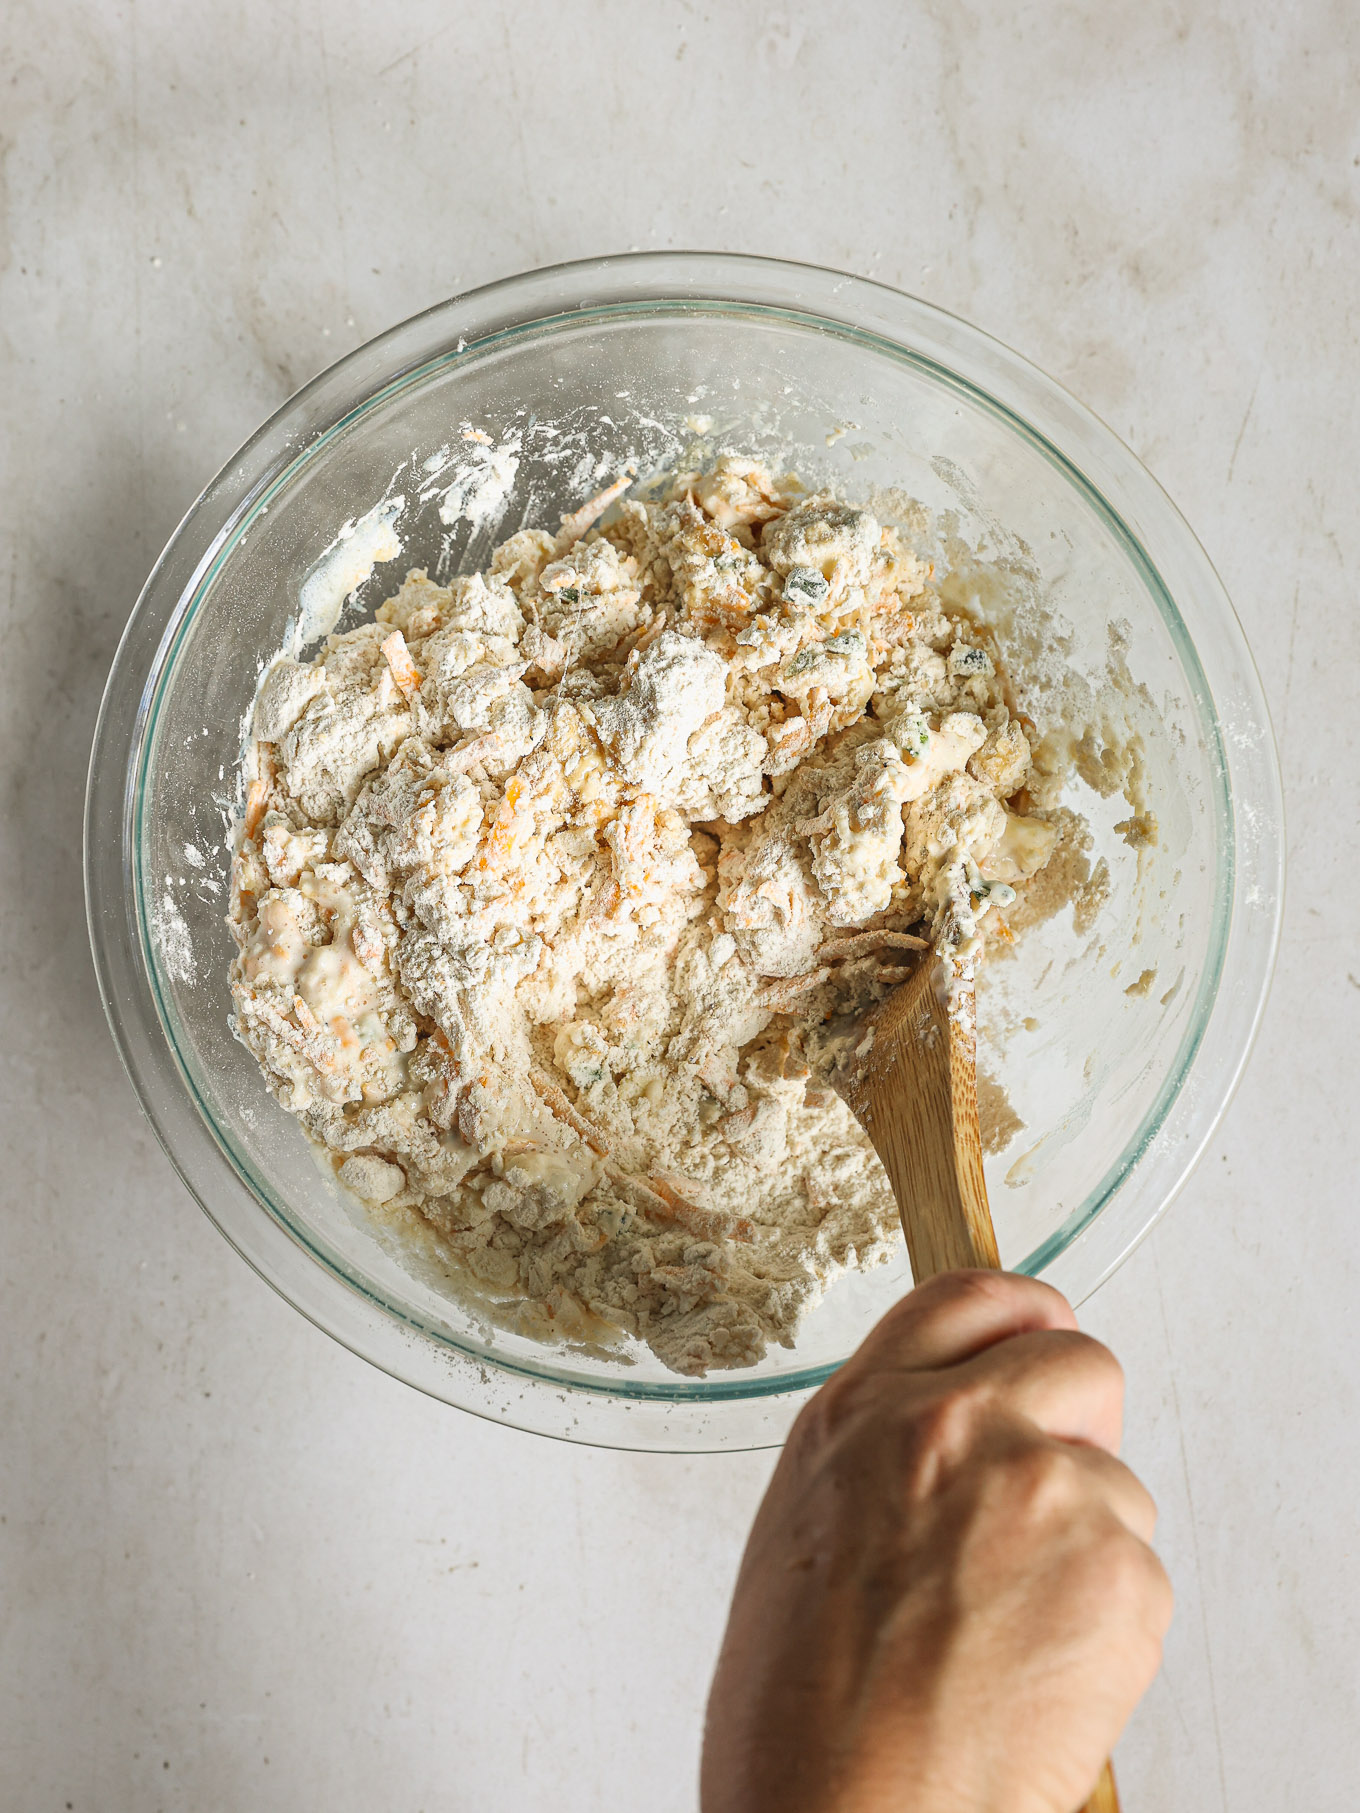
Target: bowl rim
[[650, 284]]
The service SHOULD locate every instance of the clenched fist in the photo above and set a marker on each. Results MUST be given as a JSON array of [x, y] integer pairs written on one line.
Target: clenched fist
[[948, 1601]]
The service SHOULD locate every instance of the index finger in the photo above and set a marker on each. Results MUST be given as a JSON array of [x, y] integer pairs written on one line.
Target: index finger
[[957, 1315]]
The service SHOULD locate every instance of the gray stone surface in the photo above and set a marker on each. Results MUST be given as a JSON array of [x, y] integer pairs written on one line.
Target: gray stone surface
[[241, 1570]]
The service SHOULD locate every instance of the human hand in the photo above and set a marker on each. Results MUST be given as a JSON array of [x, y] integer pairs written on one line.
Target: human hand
[[947, 1600]]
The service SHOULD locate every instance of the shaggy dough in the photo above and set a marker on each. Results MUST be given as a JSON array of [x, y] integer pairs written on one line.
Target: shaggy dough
[[547, 876]]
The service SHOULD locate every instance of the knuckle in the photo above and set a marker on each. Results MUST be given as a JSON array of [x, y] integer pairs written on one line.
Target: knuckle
[[1161, 1595], [1105, 1363], [936, 1436], [1014, 1293], [966, 1282], [947, 1292], [850, 1402], [944, 1424], [947, 1288], [823, 1414], [1134, 1580], [1123, 1566], [1096, 1361], [1138, 1508], [926, 1433], [1147, 1501], [896, 1327], [1042, 1479], [1090, 1372]]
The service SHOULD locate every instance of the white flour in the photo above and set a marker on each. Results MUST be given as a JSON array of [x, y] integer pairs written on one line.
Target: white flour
[[478, 495]]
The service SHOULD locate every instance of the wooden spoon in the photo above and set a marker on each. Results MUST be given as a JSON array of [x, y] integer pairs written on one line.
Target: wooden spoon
[[914, 1092]]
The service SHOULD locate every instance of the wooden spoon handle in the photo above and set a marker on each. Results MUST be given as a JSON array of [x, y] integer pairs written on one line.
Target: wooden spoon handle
[[922, 1118], [1106, 1796], [921, 1113]]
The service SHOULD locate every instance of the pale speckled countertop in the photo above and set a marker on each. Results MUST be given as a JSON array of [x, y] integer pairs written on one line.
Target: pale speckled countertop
[[244, 1572]]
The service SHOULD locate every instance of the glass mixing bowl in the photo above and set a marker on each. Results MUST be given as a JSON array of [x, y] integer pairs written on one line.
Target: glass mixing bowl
[[1118, 1040]]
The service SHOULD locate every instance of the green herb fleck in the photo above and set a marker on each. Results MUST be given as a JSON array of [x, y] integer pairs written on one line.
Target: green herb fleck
[[805, 585]]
